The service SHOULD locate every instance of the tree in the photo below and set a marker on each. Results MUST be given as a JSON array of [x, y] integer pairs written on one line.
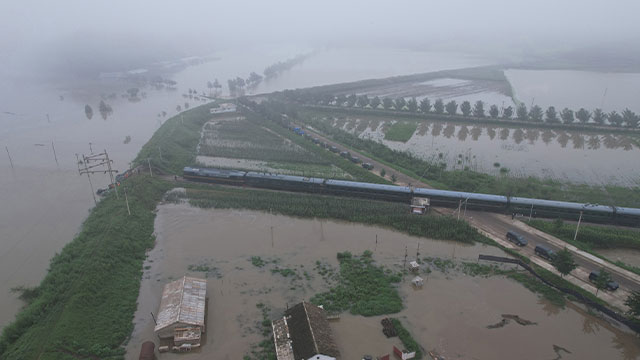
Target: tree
[[599, 116], [186, 105], [400, 103], [535, 114], [425, 105], [178, 108], [633, 302], [567, 116], [494, 111], [375, 102], [438, 106], [478, 109], [563, 262], [254, 79], [602, 280], [583, 115], [351, 100], [363, 100], [341, 99], [387, 103], [551, 115], [105, 109], [393, 178], [88, 111], [412, 105], [452, 107], [615, 119], [521, 112], [209, 86], [630, 118], [507, 113], [216, 85], [465, 108]]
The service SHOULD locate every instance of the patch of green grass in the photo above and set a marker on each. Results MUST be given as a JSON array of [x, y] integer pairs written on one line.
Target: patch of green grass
[[483, 270], [363, 288], [258, 261], [265, 349], [401, 131], [285, 272], [84, 306], [410, 344]]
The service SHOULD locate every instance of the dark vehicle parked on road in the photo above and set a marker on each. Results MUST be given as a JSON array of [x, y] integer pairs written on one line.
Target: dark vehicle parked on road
[[611, 285], [356, 160], [367, 166], [333, 149], [516, 238], [345, 154], [545, 252]]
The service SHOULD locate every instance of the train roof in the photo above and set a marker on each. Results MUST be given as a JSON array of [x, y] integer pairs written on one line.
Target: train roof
[[562, 205], [369, 186], [628, 211], [291, 178], [224, 173], [460, 195]]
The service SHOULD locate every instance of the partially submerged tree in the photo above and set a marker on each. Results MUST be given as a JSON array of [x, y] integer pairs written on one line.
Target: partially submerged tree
[[425, 105], [363, 101], [535, 114], [551, 116], [494, 112], [507, 113], [615, 119], [375, 102], [88, 111], [452, 107], [465, 108], [438, 106], [351, 100], [521, 112], [387, 103], [567, 116], [583, 115], [400, 103], [599, 116], [563, 262], [478, 109], [412, 105]]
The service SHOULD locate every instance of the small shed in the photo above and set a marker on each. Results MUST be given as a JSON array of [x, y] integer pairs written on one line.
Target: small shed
[[417, 282], [419, 205], [414, 266], [182, 310]]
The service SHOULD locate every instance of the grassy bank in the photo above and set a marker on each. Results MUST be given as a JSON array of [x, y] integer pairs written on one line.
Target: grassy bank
[[84, 306], [407, 340], [387, 214], [466, 180]]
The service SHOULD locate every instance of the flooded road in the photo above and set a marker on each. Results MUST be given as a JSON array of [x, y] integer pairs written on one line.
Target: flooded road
[[449, 314], [574, 156]]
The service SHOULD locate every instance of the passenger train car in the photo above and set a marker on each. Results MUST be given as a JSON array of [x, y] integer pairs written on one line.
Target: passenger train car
[[474, 201]]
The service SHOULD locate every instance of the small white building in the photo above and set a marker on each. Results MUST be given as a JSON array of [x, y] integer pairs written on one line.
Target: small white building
[[419, 205], [414, 266], [223, 108], [417, 282], [182, 310]]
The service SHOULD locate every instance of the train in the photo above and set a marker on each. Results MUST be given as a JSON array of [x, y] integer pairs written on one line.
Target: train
[[473, 201]]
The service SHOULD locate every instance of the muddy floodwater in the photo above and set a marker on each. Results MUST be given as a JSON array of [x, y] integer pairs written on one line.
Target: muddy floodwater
[[449, 314], [567, 155]]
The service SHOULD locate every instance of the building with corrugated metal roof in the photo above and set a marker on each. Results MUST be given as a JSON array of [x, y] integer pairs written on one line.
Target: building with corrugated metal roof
[[304, 333], [182, 307]]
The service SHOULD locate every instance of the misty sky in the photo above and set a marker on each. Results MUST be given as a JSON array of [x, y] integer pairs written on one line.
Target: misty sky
[[44, 30]]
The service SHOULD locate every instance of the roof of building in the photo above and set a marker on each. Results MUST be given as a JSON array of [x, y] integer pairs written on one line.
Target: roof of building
[[309, 331], [183, 301], [284, 348]]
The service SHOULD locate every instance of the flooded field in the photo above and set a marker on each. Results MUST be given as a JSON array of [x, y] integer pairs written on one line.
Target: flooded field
[[576, 89], [580, 157], [450, 314], [627, 256]]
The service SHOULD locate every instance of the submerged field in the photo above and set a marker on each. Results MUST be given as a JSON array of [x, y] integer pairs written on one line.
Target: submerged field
[[256, 260]]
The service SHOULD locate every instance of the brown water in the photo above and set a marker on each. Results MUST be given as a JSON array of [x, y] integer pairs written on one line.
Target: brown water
[[449, 314], [575, 156]]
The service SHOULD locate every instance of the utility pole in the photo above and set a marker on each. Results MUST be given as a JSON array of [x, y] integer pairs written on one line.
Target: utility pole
[[531, 213], [149, 162], [9, 155], [94, 163], [85, 170], [577, 227], [90, 148], [126, 199]]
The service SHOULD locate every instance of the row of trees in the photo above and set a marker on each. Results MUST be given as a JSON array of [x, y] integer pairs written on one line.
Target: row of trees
[[536, 114]]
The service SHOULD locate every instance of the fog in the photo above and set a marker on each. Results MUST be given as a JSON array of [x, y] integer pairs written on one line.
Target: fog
[[75, 37]]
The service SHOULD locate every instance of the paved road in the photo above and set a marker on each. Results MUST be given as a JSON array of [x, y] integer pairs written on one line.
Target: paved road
[[497, 225]]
